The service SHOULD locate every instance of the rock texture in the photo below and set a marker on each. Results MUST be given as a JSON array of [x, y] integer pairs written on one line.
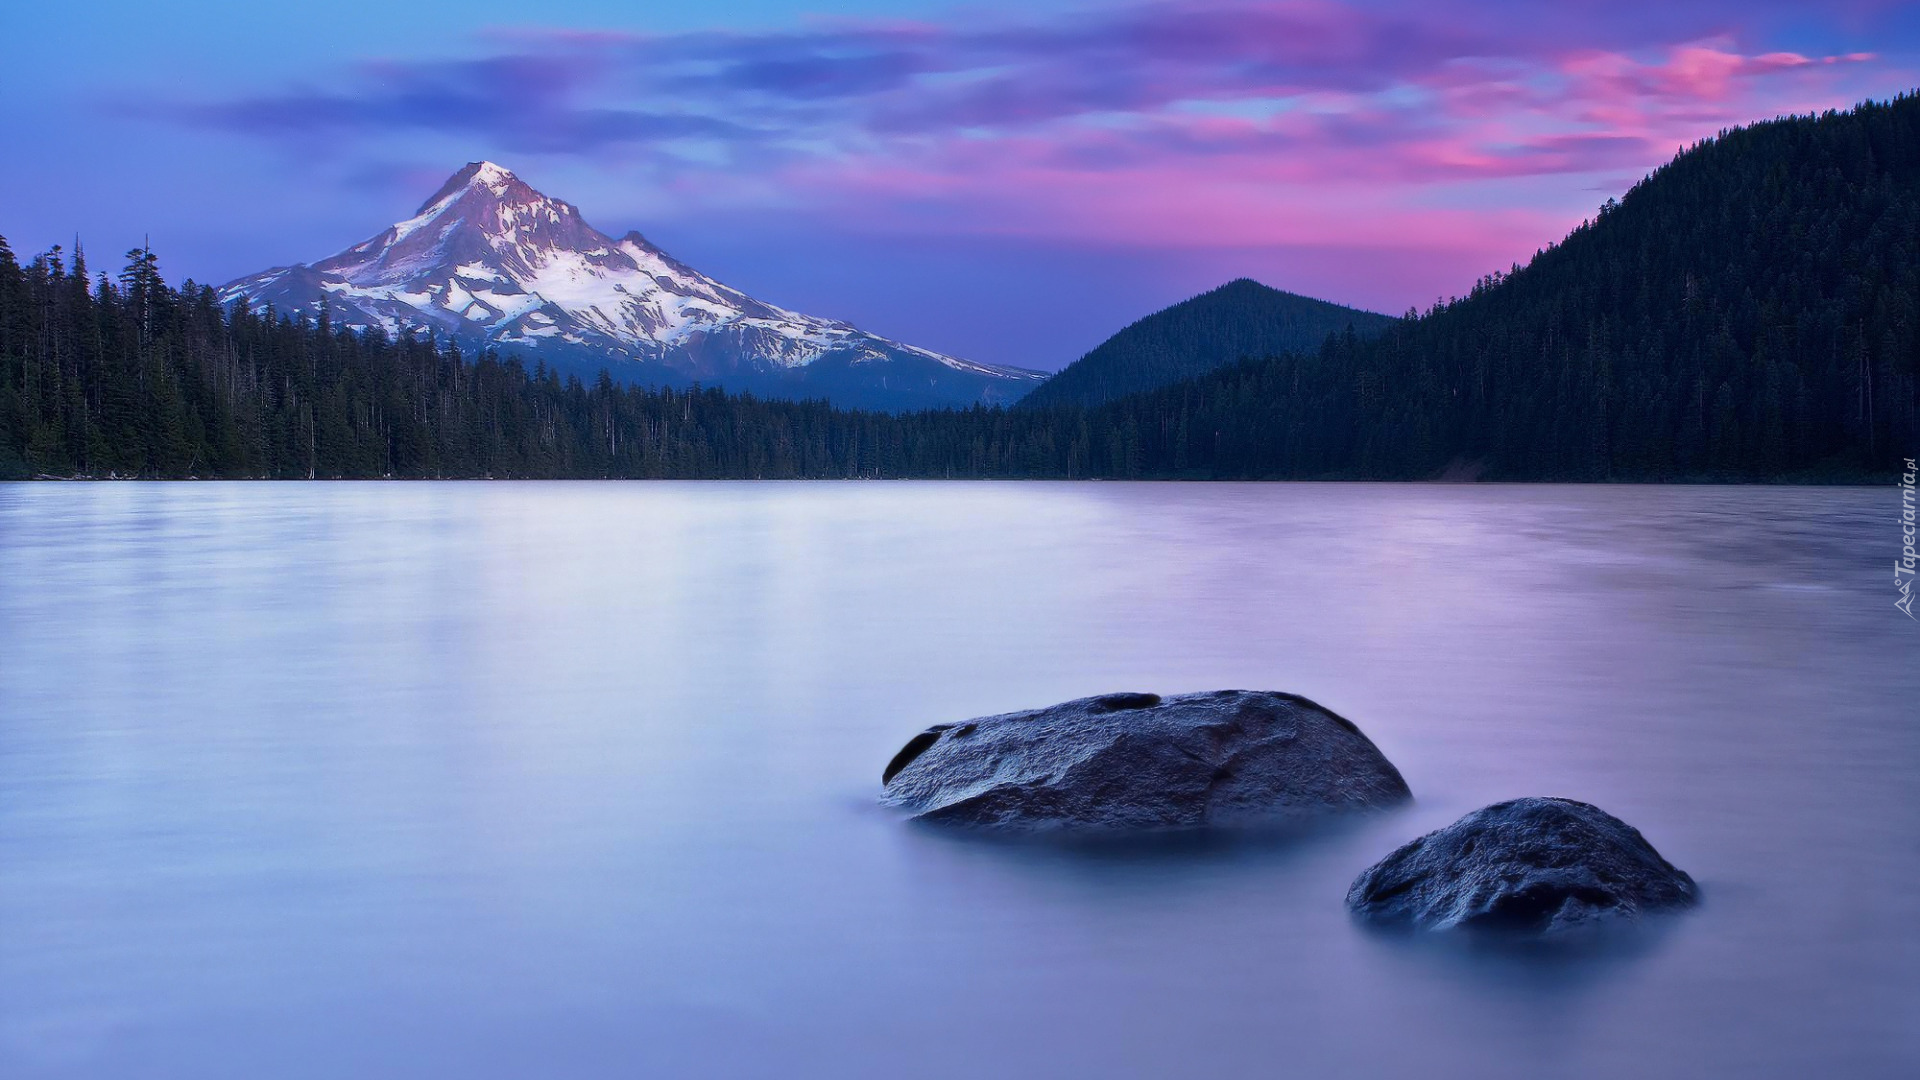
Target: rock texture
[[1139, 761], [1539, 866]]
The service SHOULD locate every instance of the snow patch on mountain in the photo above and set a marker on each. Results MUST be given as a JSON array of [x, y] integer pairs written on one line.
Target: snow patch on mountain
[[489, 261]]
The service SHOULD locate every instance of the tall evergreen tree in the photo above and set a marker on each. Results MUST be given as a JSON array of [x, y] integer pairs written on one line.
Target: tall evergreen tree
[[1751, 311]]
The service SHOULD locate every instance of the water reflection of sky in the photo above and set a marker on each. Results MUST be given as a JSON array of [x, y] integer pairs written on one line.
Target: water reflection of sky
[[322, 780]]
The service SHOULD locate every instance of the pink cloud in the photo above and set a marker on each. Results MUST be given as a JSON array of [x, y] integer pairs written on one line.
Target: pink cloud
[[1299, 122]]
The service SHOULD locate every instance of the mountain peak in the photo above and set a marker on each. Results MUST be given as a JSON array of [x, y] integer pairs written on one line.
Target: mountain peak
[[1235, 321], [495, 180], [491, 262], [486, 172]]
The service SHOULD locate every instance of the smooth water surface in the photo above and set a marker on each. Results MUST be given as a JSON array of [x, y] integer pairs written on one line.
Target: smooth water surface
[[578, 780]]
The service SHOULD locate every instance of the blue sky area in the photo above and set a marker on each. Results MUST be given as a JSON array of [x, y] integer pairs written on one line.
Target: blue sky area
[[1007, 183]]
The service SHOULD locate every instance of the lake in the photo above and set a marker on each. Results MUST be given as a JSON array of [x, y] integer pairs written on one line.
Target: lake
[[578, 780]]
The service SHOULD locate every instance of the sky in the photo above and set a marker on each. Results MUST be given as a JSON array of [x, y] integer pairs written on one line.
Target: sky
[[1005, 182]]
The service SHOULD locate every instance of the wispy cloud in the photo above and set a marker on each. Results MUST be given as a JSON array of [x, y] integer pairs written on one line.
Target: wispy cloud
[[543, 102], [1231, 123]]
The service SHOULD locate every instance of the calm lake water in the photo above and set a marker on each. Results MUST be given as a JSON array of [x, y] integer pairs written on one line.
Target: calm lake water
[[578, 780]]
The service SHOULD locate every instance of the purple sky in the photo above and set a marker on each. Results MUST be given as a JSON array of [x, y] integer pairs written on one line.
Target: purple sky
[[1005, 183]]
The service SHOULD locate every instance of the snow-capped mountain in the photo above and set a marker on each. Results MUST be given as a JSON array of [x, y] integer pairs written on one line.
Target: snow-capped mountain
[[489, 261]]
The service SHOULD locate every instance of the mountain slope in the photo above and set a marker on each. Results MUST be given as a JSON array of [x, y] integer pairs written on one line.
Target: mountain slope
[[1749, 310], [489, 262], [1238, 320]]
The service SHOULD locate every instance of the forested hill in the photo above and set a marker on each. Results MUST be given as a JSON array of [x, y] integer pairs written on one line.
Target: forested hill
[[1749, 312], [1237, 321]]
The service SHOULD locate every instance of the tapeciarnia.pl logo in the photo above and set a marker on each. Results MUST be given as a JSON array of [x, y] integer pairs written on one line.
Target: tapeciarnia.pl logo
[[1903, 568]]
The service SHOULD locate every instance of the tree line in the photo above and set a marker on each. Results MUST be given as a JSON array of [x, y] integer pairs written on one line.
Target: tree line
[[1750, 311]]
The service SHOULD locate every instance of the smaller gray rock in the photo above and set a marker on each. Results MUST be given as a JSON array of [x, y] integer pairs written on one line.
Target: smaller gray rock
[[1138, 761], [1535, 866]]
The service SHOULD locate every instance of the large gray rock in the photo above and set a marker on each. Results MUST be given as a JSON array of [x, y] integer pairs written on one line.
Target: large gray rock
[[1539, 866], [1138, 761]]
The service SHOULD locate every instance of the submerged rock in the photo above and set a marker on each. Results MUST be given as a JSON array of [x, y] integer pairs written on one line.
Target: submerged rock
[[1530, 865], [1138, 761]]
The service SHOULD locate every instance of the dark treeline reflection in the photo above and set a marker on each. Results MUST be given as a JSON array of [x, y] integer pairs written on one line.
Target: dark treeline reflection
[[1748, 312]]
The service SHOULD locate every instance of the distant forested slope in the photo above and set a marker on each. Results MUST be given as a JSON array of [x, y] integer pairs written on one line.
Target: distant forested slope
[[1751, 311], [1236, 321]]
